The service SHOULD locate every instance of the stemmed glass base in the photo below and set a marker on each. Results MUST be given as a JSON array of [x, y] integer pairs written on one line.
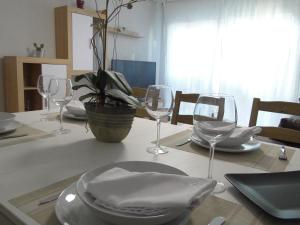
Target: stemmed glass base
[[61, 131], [157, 150]]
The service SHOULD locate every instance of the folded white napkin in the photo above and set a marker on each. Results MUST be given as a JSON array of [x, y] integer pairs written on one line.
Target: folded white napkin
[[240, 136], [147, 193], [76, 108]]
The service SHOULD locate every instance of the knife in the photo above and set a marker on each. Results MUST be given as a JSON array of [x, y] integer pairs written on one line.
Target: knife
[[219, 220], [13, 136]]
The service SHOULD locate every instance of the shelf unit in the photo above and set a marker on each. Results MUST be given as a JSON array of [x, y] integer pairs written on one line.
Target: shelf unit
[[20, 79]]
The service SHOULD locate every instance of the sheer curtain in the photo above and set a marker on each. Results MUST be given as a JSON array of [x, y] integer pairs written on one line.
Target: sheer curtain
[[247, 48]]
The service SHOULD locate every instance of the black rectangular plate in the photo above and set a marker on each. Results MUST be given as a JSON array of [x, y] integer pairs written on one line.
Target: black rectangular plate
[[276, 193]]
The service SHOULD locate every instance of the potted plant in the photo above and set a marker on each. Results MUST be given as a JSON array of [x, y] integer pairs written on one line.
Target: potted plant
[[111, 106]]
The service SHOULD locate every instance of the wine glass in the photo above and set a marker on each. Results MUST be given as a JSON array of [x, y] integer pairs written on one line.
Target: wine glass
[[61, 98], [43, 89], [159, 104], [215, 118]]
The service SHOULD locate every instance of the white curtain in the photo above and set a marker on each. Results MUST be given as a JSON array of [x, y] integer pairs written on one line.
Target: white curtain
[[246, 48]]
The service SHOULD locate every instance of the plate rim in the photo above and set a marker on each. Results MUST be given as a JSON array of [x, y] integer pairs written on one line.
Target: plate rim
[[5, 131], [250, 195], [256, 146]]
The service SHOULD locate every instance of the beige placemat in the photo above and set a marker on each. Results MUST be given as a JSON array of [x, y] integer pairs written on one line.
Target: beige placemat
[[43, 214], [235, 214], [264, 159], [29, 132]]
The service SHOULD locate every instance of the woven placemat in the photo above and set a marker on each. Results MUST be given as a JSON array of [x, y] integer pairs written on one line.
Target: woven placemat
[[264, 159], [235, 214], [29, 132]]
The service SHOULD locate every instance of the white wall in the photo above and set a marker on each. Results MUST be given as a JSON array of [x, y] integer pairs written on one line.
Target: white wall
[[23, 22]]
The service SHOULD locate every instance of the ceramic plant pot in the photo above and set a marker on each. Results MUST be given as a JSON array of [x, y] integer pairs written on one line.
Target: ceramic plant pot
[[109, 124]]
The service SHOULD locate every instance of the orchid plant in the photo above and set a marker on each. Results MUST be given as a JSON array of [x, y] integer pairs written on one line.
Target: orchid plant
[[107, 87]]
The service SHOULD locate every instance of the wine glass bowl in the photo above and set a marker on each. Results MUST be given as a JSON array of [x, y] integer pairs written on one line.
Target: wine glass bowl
[[215, 118], [63, 95], [159, 104], [43, 83], [213, 131]]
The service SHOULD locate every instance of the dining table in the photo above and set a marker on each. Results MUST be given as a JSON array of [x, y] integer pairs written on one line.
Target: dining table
[[29, 164]]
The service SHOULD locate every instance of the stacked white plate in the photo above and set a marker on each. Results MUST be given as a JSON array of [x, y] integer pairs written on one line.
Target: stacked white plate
[[75, 202], [72, 211], [7, 123], [248, 146]]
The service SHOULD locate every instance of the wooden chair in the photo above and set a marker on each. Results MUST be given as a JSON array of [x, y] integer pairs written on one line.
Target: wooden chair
[[192, 98], [140, 94], [277, 133]]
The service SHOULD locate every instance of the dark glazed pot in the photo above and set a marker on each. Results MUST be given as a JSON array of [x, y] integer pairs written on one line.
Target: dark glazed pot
[[109, 124]]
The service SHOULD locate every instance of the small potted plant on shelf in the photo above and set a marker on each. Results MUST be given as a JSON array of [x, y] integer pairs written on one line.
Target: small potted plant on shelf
[[110, 107]]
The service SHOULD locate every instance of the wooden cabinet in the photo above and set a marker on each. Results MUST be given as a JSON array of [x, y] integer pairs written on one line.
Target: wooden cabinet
[[82, 33], [20, 79], [73, 33]]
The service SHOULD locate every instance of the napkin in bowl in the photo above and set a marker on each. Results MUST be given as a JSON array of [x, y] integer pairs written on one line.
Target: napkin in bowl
[[240, 136], [76, 108], [147, 193]]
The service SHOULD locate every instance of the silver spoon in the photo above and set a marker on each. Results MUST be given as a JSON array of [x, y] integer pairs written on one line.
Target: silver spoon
[[184, 142], [282, 155]]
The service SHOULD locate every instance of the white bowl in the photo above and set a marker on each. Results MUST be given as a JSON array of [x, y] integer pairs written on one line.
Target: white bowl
[[127, 219]]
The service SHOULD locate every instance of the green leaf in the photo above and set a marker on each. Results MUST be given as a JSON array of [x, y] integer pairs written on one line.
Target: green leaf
[[118, 82], [89, 95], [90, 77], [118, 94], [76, 87], [123, 80]]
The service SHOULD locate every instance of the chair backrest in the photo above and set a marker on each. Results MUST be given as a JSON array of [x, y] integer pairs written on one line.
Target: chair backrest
[[278, 133], [140, 94], [192, 98]]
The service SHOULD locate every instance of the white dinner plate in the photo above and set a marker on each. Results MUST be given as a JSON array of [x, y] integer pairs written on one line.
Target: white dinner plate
[[6, 116], [9, 127], [251, 145], [127, 219], [72, 116], [71, 210]]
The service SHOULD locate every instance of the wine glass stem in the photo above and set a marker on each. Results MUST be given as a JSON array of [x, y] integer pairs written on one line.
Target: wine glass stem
[[158, 133], [211, 159], [60, 117], [48, 103]]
